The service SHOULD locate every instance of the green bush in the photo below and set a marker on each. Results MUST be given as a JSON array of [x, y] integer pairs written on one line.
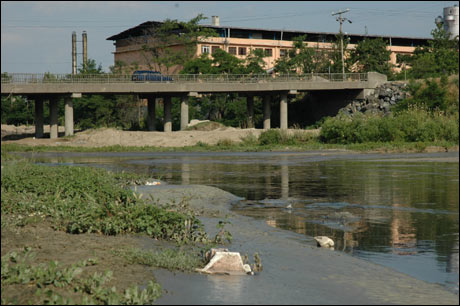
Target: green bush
[[270, 137], [417, 124]]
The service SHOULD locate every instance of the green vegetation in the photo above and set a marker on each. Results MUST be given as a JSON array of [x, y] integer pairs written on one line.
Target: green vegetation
[[412, 125], [371, 55], [440, 57], [58, 285], [171, 259], [85, 200]]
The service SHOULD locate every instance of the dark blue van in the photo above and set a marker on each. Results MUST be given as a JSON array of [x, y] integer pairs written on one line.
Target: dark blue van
[[149, 76]]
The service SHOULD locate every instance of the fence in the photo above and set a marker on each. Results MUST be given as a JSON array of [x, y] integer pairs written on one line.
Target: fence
[[31, 78]]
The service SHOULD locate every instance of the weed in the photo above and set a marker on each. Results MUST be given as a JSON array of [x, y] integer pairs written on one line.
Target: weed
[[171, 259], [86, 200], [55, 284]]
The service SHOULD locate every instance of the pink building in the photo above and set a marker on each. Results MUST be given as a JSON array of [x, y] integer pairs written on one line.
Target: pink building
[[240, 41]]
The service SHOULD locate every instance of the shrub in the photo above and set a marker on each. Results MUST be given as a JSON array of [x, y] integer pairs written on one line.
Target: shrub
[[416, 124], [272, 136]]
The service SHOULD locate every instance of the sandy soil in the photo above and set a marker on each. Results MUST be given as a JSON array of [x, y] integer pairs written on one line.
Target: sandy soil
[[110, 137]]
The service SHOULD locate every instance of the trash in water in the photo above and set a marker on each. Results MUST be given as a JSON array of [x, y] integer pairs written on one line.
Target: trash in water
[[154, 183], [221, 261], [324, 242]]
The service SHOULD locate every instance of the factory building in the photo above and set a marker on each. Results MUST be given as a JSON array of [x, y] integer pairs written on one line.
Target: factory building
[[240, 41]]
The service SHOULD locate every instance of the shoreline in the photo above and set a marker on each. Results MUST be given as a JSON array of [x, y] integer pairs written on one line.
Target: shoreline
[[295, 270], [225, 139]]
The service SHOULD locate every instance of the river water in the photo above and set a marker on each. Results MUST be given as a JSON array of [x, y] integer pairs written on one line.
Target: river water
[[397, 210]]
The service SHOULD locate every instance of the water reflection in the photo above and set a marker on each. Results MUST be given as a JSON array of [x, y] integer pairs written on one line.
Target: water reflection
[[400, 214]]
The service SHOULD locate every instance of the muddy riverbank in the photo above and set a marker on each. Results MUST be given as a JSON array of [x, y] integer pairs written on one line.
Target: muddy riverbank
[[295, 270]]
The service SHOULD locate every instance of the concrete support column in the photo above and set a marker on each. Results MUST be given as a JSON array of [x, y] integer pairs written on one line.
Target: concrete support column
[[250, 111], [267, 112], [183, 113], [38, 117], [53, 117], [151, 120], [283, 112], [68, 111], [167, 110]]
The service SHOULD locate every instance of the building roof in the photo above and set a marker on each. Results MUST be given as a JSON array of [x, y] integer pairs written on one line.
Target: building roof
[[137, 31]]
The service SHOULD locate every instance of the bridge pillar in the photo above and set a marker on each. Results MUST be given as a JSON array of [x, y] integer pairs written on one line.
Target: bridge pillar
[[151, 120], [68, 111], [167, 124], [183, 113], [54, 117], [250, 111], [284, 112], [38, 117], [267, 111]]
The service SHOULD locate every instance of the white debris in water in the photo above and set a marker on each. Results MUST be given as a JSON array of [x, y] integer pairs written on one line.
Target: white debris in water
[[324, 242], [153, 183], [224, 262]]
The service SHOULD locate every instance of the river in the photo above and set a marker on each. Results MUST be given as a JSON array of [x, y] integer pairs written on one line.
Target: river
[[396, 210]]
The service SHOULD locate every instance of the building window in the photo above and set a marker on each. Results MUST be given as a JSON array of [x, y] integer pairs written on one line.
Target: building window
[[242, 51], [204, 49], [214, 48], [268, 52], [283, 52], [232, 50]]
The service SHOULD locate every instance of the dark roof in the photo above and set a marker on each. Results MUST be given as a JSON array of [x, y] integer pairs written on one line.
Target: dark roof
[[137, 31]]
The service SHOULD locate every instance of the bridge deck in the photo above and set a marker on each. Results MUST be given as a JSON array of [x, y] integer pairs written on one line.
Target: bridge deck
[[29, 84]]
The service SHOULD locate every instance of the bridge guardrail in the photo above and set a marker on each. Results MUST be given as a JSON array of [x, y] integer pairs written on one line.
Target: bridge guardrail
[[34, 78]]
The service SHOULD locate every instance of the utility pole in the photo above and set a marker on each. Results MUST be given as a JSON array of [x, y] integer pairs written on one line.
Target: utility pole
[[341, 20]]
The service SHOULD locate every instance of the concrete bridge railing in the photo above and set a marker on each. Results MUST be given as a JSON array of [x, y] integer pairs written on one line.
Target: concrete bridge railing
[[33, 78]]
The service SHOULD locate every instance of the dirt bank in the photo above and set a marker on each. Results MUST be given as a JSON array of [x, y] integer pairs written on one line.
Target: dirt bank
[[110, 137]]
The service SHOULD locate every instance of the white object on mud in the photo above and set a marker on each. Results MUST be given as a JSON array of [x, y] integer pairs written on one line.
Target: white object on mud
[[324, 242], [221, 261]]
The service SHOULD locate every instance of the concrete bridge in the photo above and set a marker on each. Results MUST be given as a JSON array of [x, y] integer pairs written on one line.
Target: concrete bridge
[[42, 87]]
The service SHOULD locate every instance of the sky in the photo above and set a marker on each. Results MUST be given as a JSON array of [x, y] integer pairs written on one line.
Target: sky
[[36, 36]]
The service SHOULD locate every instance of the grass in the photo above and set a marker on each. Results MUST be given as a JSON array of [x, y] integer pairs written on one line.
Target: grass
[[171, 259], [55, 284]]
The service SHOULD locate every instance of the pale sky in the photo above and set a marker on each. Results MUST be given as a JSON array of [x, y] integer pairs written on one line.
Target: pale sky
[[36, 35]]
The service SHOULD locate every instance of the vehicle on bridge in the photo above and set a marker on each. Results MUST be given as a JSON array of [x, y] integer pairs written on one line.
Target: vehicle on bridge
[[149, 76]]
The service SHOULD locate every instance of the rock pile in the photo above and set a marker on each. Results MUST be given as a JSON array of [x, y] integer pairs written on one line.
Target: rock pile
[[380, 102]]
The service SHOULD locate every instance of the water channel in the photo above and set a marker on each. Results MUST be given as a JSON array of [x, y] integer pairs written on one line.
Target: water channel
[[397, 210]]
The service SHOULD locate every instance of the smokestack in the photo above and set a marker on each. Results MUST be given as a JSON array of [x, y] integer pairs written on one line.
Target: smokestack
[[74, 52], [85, 49], [215, 21]]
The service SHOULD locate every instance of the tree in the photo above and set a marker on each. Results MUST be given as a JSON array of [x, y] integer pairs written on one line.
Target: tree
[[440, 57], [255, 63], [303, 59], [172, 43], [372, 55], [90, 68], [335, 55]]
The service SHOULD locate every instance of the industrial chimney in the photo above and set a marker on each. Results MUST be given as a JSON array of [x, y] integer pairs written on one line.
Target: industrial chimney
[[74, 53], [85, 49], [215, 21]]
